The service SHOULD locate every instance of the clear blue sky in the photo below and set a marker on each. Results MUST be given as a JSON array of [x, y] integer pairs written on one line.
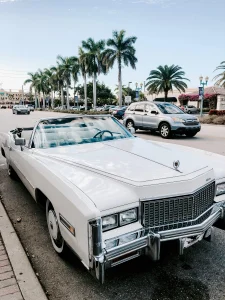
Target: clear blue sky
[[189, 33]]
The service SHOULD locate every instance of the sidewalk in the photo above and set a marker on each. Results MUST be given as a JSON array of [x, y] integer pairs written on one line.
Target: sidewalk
[[9, 288], [17, 278]]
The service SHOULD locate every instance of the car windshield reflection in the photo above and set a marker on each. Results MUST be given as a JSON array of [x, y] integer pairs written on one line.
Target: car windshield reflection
[[78, 130], [167, 108]]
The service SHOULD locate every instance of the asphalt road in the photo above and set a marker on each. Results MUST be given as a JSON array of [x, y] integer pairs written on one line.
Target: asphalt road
[[199, 274]]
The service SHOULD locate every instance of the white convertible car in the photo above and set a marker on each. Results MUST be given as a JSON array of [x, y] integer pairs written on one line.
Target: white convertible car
[[111, 196]]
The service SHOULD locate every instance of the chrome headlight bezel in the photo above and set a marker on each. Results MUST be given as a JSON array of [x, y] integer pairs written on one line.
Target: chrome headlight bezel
[[222, 192], [118, 219]]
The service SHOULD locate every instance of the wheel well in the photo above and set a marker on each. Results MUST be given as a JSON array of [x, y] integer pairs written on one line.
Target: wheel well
[[162, 123], [40, 198], [2, 152]]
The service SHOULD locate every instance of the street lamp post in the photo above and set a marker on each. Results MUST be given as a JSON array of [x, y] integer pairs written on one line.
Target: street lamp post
[[138, 89], [203, 87]]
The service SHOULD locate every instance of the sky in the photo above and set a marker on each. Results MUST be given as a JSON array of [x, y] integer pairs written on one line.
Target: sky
[[188, 33]]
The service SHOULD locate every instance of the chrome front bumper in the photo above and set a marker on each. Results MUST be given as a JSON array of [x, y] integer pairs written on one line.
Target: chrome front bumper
[[147, 242]]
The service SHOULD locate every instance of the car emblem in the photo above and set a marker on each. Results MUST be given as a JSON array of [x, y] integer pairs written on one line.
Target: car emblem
[[176, 164]]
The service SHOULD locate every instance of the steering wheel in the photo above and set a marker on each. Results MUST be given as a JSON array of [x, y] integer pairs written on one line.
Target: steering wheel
[[102, 132]]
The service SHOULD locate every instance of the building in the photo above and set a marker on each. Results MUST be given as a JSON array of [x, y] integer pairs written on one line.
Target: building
[[12, 96], [216, 91]]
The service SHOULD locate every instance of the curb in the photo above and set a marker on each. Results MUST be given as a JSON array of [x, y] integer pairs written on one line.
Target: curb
[[28, 283]]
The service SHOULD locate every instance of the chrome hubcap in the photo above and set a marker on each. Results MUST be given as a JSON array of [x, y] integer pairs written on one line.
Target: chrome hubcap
[[129, 124], [164, 130], [53, 225]]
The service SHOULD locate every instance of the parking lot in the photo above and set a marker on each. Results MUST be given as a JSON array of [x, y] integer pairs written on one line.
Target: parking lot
[[199, 274]]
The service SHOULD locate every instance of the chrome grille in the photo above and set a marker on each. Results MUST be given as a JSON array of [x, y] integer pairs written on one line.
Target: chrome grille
[[166, 214]]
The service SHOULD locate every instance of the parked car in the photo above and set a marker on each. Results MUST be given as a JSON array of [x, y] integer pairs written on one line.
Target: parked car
[[3, 107], [190, 109], [20, 109], [30, 107], [113, 197], [164, 117], [119, 113], [109, 107]]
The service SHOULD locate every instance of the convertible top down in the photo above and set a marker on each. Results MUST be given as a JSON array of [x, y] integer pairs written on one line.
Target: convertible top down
[[111, 196]]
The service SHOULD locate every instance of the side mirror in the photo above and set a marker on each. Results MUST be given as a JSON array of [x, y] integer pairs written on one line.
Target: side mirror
[[20, 142], [132, 130], [154, 112]]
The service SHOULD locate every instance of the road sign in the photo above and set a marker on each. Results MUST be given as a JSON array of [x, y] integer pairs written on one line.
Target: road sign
[[127, 99]]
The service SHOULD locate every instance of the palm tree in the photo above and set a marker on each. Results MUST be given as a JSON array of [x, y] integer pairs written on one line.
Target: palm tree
[[33, 81], [221, 76], [42, 85], [58, 81], [124, 90], [93, 58], [65, 71], [75, 73], [84, 68], [122, 51], [50, 81], [165, 78]]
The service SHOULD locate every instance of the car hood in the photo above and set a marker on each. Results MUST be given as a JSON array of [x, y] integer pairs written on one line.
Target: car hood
[[182, 116], [134, 160]]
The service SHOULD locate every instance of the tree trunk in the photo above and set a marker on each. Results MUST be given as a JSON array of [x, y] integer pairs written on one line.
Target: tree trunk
[[85, 92], [120, 84], [166, 96], [62, 96], [35, 100], [67, 96], [52, 104], [40, 100], [43, 100], [94, 90]]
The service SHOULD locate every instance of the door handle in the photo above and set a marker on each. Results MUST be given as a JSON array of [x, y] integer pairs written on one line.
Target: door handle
[[9, 147], [145, 114]]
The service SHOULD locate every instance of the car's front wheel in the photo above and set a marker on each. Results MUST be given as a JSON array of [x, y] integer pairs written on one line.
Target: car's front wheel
[[53, 228], [165, 130], [190, 134]]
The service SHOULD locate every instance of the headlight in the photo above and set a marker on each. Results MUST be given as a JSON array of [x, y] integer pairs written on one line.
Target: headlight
[[128, 216], [109, 222], [120, 219], [220, 189], [178, 120]]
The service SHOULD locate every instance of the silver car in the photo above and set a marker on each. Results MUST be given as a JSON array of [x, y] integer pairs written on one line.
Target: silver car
[[164, 117], [20, 109]]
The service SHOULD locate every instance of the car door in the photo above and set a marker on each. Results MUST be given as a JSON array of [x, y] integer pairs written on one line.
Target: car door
[[150, 119], [21, 159], [138, 114]]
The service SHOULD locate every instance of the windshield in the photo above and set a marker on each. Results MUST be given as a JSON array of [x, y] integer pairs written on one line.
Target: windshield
[[78, 130], [167, 108], [20, 106]]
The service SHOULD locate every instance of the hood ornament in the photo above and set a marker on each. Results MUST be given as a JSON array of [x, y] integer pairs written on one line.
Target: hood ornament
[[176, 164]]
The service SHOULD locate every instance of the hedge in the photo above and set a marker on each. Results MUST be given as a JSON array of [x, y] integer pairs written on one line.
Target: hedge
[[217, 112]]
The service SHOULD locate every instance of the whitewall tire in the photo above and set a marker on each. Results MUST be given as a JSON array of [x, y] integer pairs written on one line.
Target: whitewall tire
[[53, 229]]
